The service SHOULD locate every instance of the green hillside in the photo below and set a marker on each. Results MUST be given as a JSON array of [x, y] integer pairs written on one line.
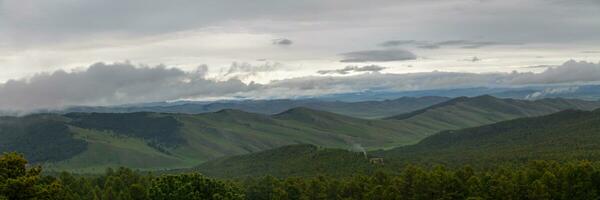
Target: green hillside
[[567, 135], [165, 141], [564, 136], [88, 142], [465, 112]]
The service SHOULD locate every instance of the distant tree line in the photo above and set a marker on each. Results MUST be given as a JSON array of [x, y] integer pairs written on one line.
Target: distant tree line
[[536, 180]]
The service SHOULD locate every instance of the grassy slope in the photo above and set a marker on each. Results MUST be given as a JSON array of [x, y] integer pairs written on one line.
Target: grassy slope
[[563, 136], [211, 135], [231, 132], [466, 112], [189, 139], [107, 149]]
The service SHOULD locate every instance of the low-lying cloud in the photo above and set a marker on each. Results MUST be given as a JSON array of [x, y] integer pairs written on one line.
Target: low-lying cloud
[[108, 84], [123, 83], [378, 56]]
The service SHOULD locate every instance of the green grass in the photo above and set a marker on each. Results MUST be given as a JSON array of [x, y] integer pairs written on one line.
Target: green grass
[[107, 149]]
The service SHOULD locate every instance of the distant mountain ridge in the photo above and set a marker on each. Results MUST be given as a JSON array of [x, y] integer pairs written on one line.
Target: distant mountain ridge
[[362, 109]]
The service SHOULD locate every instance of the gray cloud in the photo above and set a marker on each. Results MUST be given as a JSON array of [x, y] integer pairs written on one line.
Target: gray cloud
[[569, 72], [32, 22], [106, 84], [394, 43], [282, 42], [350, 69], [122, 83], [378, 56], [465, 44]]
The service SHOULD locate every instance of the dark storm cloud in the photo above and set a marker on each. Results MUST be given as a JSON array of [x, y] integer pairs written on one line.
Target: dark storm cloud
[[350, 69], [378, 56]]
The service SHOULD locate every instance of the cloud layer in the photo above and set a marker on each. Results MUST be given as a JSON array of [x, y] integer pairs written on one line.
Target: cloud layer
[[122, 83], [107, 84]]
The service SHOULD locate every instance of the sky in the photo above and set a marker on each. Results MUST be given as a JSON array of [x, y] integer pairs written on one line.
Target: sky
[[58, 53]]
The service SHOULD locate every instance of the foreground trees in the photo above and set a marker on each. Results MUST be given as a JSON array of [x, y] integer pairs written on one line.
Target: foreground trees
[[537, 180]]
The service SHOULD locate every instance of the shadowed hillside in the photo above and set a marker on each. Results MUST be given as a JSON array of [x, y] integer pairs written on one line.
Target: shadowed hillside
[[564, 136]]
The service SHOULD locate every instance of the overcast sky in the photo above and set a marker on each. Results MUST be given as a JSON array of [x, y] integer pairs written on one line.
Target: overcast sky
[[263, 44]]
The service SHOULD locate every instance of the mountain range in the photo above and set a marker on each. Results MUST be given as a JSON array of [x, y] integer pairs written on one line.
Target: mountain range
[[361, 109], [89, 142]]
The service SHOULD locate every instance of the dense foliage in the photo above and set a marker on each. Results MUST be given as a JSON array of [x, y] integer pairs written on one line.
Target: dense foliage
[[536, 180]]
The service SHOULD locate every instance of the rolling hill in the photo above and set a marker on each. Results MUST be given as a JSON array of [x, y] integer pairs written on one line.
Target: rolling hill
[[566, 135], [89, 142], [464, 112], [361, 109], [563, 136], [93, 141]]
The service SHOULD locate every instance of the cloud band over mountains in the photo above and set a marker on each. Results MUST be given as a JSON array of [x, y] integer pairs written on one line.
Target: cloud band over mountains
[[122, 83]]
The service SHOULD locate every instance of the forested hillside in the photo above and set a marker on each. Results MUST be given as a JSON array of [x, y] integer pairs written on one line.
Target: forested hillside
[[564, 136], [536, 180]]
